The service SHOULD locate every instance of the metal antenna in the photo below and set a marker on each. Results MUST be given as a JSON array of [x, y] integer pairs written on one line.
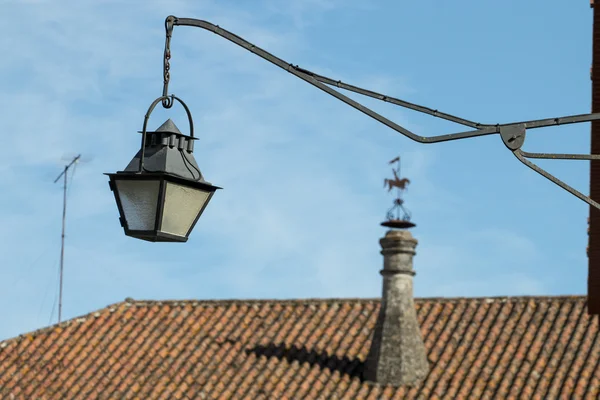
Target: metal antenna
[[62, 245]]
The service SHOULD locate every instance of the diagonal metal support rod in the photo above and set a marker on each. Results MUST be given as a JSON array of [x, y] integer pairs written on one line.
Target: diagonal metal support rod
[[521, 157], [512, 134]]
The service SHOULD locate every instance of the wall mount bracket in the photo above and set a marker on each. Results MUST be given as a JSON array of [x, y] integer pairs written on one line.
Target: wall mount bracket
[[512, 134]]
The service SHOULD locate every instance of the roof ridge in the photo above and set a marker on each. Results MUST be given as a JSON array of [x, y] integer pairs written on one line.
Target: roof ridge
[[341, 299], [147, 303]]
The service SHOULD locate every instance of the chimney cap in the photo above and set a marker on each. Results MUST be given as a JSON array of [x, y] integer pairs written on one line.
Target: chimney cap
[[398, 224]]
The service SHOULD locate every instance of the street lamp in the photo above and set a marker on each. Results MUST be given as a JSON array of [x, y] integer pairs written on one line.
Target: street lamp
[[162, 193], [164, 202]]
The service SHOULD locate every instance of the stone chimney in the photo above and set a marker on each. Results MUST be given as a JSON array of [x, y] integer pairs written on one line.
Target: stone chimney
[[397, 355]]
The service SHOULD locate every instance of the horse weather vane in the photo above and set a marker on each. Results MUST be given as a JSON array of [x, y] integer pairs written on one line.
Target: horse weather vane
[[398, 217]]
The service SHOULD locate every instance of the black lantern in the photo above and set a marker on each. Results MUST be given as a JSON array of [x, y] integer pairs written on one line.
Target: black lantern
[[161, 194]]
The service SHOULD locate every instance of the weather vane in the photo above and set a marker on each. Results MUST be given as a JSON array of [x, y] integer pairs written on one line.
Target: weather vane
[[398, 216]]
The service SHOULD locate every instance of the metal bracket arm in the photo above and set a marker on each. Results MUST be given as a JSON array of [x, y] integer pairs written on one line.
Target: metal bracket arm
[[512, 134]]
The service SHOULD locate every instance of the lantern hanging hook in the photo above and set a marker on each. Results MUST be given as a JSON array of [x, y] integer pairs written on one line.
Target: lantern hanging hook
[[167, 102]]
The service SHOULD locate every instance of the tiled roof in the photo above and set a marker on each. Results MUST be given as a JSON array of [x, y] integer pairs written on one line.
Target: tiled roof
[[526, 347]]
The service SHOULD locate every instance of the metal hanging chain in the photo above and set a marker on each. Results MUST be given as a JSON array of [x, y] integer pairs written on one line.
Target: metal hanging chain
[[512, 134], [167, 101]]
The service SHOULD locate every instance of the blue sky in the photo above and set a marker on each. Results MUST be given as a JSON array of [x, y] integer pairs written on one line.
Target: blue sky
[[302, 172]]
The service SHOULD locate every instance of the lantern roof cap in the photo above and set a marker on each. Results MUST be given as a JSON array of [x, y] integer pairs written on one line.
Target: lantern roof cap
[[169, 127]]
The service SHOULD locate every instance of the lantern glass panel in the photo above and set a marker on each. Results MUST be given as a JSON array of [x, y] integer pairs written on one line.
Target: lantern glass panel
[[139, 200], [182, 206]]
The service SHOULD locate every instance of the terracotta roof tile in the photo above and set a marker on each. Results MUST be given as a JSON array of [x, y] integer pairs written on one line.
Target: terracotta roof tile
[[522, 347]]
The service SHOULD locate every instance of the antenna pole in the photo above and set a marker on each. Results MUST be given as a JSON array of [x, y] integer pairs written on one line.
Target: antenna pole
[[62, 245]]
